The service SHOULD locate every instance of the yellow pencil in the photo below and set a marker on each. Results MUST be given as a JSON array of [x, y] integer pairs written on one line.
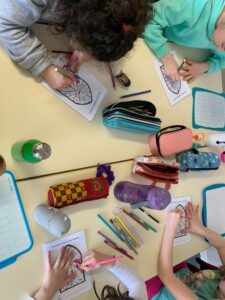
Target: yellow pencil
[[128, 231]]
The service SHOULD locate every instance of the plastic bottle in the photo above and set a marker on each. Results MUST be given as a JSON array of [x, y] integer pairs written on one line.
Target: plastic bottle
[[32, 151], [155, 197]]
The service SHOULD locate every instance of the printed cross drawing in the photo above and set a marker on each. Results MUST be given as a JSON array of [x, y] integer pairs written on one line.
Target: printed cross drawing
[[79, 93], [183, 223], [173, 86], [80, 275]]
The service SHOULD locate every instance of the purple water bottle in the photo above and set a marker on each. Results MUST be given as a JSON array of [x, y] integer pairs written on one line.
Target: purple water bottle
[[142, 195]]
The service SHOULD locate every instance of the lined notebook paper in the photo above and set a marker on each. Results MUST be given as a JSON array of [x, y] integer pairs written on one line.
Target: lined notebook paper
[[15, 237]]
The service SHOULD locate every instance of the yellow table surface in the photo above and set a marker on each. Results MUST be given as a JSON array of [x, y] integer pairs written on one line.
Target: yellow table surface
[[29, 110], [24, 276]]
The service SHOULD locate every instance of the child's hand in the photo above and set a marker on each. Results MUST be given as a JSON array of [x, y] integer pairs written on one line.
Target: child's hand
[[56, 80], [56, 274], [192, 70], [92, 257], [77, 58], [170, 66], [195, 224], [172, 221]]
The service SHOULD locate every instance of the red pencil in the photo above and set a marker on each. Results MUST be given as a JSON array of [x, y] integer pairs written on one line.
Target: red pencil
[[127, 213], [118, 249], [112, 76], [63, 52], [183, 217]]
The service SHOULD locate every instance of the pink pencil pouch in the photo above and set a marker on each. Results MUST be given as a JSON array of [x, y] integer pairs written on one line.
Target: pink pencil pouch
[[171, 140]]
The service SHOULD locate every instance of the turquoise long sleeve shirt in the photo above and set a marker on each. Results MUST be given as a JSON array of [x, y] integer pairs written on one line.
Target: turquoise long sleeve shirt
[[189, 23]]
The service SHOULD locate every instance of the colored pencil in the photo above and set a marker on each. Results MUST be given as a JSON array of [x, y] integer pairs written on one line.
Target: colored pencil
[[111, 241], [143, 222], [112, 76], [128, 231], [129, 215], [150, 216], [129, 242], [136, 94], [65, 74], [106, 238], [109, 226], [183, 217], [181, 65], [124, 235], [105, 261], [63, 52], [118, 249]]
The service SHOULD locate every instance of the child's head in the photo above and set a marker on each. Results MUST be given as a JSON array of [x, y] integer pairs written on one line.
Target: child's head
[[218, 37], [110, 293], [105, 29]]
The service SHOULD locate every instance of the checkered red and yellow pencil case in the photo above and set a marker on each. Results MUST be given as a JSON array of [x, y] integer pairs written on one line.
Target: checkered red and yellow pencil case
[[75, 192]]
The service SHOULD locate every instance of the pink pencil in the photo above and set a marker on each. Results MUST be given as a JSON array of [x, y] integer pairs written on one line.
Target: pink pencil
[[102, 262]]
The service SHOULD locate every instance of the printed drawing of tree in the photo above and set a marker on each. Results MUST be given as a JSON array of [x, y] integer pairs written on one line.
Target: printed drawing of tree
[[80, 275], [79, 93], [173, 86]]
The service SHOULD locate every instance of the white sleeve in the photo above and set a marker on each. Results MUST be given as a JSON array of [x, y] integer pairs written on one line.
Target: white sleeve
[[133, 281], [29, 298]]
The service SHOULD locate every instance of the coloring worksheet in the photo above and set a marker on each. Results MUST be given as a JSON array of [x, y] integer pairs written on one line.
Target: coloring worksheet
[[82, 281], [180, 203], [85, 95], [175, 90]]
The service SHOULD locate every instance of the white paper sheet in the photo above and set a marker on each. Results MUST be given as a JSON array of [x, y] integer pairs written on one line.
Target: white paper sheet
[[82, 282], [180, 238], [175, 90], [84, 97]]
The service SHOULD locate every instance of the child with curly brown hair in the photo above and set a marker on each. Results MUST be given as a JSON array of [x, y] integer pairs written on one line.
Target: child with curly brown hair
[[102, 29]]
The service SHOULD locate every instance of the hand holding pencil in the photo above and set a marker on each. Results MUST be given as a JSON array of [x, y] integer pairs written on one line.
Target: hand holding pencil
[[95, 259], [57, 78]]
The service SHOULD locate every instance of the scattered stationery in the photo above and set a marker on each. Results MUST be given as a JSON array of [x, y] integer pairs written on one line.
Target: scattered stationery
[[175, 90], [109, 226], [84, 97], [208, 109], [180, 203], [148, 214], [117, 211], [15, 235], [214, 207], [135, 94], [82, 281]]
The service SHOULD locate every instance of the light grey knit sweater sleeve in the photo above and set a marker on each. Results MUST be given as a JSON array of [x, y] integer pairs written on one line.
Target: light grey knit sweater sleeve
[[16, 17], [133, 281]]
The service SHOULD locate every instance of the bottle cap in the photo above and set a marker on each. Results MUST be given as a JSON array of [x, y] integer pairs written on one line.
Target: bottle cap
[[41, 151]]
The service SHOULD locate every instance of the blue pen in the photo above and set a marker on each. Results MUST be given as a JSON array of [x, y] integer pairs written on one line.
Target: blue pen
[[136, 94], [109, 226]]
